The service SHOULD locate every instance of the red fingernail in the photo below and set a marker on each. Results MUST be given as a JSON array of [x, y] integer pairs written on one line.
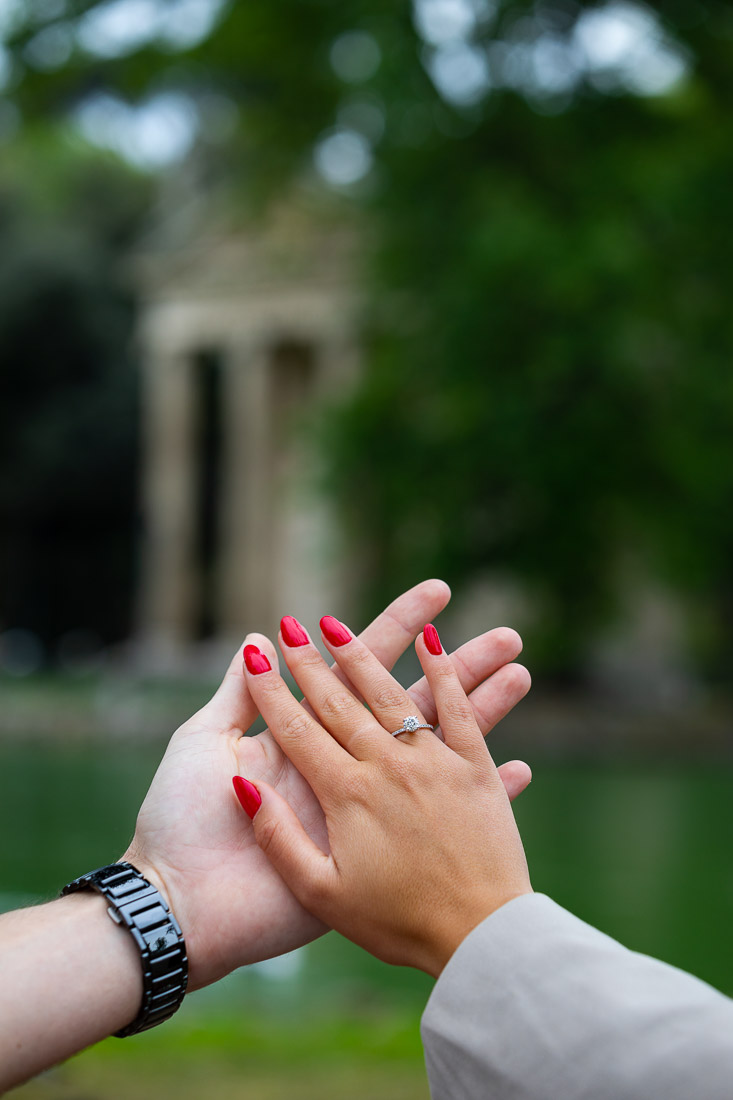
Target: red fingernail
[[292, 632], [432, 641], [247, 794], [334, 631], [255, 660]]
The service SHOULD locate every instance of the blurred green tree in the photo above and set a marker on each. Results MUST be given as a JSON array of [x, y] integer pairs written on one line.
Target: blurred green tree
[[547, 182], [67, 390]]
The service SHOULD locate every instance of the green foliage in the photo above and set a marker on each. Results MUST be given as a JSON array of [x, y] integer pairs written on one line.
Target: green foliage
[[67, 390], [557, 390], [548, 388]]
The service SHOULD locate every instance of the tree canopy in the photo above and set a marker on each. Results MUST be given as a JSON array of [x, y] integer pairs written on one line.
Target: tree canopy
[[547, 181]]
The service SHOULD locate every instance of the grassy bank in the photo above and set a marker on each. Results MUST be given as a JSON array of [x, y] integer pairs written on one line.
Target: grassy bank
[[361, 1057]]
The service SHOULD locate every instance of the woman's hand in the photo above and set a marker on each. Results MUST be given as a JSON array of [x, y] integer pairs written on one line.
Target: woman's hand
[[233, 907], [422, 843]]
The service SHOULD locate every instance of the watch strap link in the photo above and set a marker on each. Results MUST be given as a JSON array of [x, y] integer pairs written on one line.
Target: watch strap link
[[138, 906]]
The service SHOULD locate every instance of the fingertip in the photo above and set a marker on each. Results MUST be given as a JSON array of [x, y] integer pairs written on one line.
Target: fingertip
[[263, 643], [432, 640], [516, 775], [293, 634], [249, 797], [521, 678], [509, 640], [433, 591], [521, 767], [440, 587], [335, 632], [259, 654], [255, 661]]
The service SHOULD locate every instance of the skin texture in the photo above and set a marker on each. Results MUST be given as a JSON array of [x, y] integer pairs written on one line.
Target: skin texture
[[70, 977], [233, 906], [422, 843]]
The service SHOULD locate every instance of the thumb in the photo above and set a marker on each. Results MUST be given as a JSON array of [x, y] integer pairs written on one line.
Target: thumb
[[232, 706], [278, 831]]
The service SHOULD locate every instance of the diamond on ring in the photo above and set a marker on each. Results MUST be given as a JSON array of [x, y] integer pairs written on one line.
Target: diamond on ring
[[412, 723]]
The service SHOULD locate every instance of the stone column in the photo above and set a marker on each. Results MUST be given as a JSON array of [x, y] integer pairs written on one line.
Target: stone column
[[316, 573], [245, 582], [168, 584]]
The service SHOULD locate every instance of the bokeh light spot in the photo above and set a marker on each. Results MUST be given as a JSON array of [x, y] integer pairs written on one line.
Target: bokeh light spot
[[343, 157]]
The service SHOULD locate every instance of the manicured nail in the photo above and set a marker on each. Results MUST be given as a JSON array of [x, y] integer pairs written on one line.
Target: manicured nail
[[334, 631], [255, 660], [432, 641], [247, 794], [292, 632]]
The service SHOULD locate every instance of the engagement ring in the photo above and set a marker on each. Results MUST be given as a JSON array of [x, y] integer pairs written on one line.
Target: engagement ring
[[411, 724]]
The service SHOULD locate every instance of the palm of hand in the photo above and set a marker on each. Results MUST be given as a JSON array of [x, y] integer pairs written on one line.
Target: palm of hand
[[234, 907]]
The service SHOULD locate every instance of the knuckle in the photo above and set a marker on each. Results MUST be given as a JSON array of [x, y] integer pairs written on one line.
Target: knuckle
[[356, 787], [456, 709], [313, 891], [360, 656], [361, 662], [294, 724], [269, 832], [403, 771], [335, 704], [388, 697]]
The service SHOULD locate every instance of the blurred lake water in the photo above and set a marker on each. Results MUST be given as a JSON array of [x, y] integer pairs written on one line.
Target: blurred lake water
[[643, 851]]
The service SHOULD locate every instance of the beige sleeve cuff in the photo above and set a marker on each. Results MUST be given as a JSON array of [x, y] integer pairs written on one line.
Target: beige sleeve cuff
[[535, 1004]]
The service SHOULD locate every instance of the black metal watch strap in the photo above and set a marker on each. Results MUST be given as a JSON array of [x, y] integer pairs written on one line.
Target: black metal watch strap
[[135, 903]]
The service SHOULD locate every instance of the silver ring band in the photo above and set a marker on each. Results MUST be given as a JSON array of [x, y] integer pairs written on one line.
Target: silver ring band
[[411, 724]]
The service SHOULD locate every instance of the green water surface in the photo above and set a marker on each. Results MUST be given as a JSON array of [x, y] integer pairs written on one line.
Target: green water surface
[[643, 851]]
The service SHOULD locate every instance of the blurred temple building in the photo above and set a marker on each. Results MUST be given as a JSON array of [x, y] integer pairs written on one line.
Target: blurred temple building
[[248, 332]]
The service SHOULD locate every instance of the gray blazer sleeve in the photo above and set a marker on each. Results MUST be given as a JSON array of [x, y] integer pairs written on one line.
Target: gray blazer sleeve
[[537, 1005]]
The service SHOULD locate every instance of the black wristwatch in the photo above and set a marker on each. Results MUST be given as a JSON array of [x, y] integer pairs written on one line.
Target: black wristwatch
[[136, 904]]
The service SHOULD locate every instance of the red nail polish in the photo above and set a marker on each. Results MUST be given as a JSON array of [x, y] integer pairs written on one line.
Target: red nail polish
[[432, 641], [255, 660], [247, 794], [334, 631], [292, 632]]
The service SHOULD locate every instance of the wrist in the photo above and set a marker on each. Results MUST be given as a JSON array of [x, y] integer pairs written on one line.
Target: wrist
[[135, 904], [164, 880], [445, 945], [151, 872]]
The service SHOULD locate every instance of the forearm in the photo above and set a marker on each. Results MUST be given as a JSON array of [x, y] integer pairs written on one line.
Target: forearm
[[69, 976]]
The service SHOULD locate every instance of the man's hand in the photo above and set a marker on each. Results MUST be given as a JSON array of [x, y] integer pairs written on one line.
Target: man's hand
[[232, 905]]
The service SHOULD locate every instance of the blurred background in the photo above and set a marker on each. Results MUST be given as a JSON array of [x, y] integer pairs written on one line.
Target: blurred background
[[300, 303]]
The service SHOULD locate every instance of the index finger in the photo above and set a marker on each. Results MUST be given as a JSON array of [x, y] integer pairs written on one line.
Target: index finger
[[314, 752]]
